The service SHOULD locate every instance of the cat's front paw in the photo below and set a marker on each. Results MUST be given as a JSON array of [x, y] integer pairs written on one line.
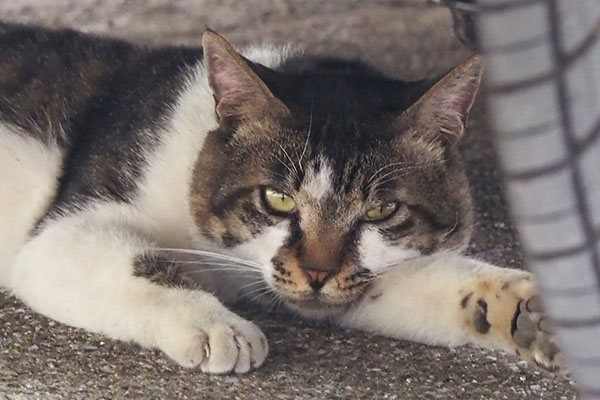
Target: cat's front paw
[[218, 346], [506, 313], [532, 334]]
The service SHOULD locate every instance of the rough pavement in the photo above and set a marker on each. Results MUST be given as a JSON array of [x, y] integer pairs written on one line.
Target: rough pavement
[[43, 359]]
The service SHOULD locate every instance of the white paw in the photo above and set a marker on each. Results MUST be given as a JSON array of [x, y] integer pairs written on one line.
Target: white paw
[[217, 345]]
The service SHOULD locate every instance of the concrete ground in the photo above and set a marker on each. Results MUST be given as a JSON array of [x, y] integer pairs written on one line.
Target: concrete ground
[[43, 359]]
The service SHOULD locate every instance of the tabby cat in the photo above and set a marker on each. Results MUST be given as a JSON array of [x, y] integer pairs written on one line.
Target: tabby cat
[[142, 189]]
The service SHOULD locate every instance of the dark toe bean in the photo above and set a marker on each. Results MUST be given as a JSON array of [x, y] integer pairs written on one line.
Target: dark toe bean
[[534, 304], [544, 325], [523, 339], [525, 324]]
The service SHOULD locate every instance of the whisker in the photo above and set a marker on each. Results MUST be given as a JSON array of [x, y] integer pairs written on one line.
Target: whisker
[[295, 170], [406, 166], [257, 292], [194, 266], [453, 228], [205, 253], [288, 157], [199, 270], [380, 182], [385, 167], [291, 171], [393, 264], [310, 120], [277, 302], [175, 261], [277, 174], [254, 283]]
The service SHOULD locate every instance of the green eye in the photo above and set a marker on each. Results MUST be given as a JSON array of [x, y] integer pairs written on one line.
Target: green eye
[[278, 202], [381, 212]]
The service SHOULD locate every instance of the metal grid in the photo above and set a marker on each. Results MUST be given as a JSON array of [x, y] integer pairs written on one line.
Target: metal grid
[[543, 88]]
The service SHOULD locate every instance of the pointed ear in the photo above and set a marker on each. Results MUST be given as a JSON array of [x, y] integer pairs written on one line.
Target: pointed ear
[[239, 93], [442, 112]]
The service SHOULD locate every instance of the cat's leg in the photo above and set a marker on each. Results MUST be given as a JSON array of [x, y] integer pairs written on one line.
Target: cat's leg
[[456, 300], [85, 270]]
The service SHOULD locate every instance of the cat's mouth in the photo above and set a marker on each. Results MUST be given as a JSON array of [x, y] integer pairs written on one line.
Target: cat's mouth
[[316, 306]]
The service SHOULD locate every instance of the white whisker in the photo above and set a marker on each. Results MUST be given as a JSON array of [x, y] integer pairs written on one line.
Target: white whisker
[[200, 270], [254, 283], [453, 228], [257, 292], [204, 253], [385, 167], [310, 120], [291, 171], [295, 170], [175, 261]]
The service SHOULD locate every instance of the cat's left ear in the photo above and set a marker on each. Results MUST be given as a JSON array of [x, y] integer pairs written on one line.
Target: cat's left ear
[[442, 112], [238, 91]]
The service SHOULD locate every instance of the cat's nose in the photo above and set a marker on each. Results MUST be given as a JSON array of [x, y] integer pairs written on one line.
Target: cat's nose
[[316, 276]]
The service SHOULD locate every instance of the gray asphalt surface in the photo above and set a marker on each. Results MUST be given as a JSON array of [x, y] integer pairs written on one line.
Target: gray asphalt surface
[[43, 359]]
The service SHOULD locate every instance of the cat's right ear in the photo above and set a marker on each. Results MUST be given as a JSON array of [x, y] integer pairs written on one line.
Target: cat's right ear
[[238, 91]]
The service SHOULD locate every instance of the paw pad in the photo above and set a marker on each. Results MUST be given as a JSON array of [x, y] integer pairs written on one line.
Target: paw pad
[[532, 331]]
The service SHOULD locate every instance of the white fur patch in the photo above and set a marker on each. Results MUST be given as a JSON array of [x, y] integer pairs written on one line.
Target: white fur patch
[[165, 188], [320, 184], [29, 172], [262, 248], [376, 254], [270, 55]]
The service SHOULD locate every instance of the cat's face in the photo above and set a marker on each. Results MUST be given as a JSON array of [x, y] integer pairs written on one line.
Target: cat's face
[[328, 178]]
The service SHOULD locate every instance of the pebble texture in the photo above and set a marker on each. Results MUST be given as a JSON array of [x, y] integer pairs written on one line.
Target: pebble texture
[[43, 359]]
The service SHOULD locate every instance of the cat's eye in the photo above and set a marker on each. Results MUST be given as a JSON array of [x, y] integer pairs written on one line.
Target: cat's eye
[[381, 212], [278, 202]]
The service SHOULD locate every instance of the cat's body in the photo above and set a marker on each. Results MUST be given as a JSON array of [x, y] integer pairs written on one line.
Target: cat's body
[[143, 188]]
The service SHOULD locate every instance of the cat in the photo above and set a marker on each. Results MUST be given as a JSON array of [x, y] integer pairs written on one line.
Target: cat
[[144, 189]]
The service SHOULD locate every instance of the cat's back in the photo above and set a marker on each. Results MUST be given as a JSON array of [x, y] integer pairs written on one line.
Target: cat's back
[[72, 106], [48, 77]]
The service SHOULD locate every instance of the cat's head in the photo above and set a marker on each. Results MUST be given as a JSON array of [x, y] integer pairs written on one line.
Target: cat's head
[[326, 172]]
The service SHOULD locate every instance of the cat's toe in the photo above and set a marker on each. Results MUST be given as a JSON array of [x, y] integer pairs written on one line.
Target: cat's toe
[[223, 350], [238, 347], [217, 347], [189, 348], [257, 343], [532, 335]]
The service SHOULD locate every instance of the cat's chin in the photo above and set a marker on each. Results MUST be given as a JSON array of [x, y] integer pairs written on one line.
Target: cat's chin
[[316, 308]]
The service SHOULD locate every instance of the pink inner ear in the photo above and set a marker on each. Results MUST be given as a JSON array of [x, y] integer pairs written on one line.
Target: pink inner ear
[[445, 109], [221, 78]]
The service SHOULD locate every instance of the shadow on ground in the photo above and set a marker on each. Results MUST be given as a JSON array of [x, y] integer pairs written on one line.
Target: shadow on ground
[[43, 359]]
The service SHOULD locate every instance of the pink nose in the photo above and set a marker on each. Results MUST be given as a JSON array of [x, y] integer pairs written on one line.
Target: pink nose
[[316, 277]]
